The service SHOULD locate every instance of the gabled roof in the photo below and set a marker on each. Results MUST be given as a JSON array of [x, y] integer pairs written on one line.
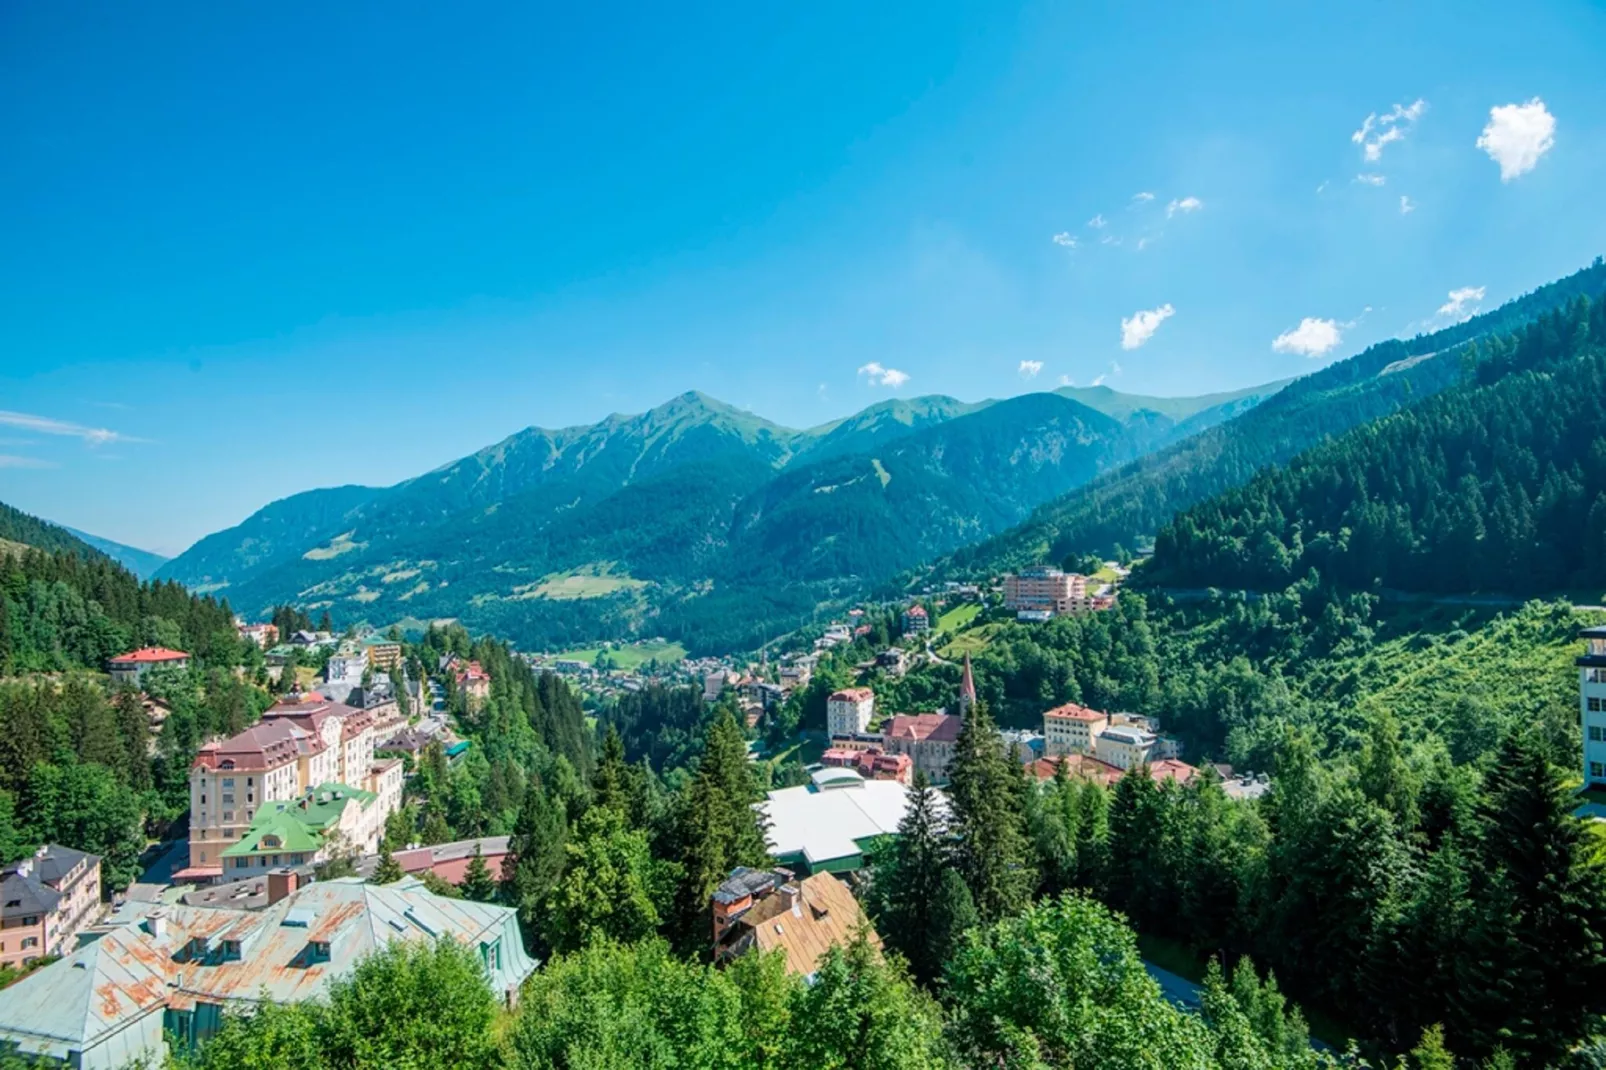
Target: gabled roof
[[935, 727], [91, 993], [824, 916], [852, 694], [53, 862], [1070, 711], [31, 896]]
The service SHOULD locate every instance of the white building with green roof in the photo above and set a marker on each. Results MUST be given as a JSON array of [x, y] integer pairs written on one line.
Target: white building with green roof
[[329, 819]]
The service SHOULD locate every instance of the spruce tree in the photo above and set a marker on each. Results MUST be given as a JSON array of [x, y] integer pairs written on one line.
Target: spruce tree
[[478, 884], [609, 785], [389, 870], [983, 793], [907, 885], [536, 857], [134, 731]]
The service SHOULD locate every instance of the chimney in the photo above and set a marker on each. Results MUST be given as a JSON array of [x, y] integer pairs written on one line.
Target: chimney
[[281, 882], [156, 924], [793, 895]]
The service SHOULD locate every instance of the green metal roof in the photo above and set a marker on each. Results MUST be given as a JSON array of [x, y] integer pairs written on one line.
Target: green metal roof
[[297, 824]]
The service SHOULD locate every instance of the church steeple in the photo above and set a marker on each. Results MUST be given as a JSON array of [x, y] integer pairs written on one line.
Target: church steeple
[[967, 690]]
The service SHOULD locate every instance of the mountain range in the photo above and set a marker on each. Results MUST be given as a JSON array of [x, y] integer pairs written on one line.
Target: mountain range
[[695, 519]]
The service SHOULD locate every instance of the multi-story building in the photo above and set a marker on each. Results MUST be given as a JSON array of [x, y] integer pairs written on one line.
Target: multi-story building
[[848, 712], [871, 763], [45, 899], [302, 742], [928, 739], [1071, 729], [265, 636], [130, 668], [774, 911], [1126, 748], [1044, 589], [1592, 705], [328, 820], [474, 683], [383, 654], [164, 976], [916, 620]]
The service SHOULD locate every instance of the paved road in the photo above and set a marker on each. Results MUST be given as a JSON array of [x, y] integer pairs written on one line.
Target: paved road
[[160, 871]]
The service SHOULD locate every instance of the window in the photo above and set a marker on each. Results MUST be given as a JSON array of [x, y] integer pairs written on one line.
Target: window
[[228, 782], [1596, 705], [30, 941], [1597, 734], [203, 798], [31, 919], [1597, 770], [228, 799], [228, 815]]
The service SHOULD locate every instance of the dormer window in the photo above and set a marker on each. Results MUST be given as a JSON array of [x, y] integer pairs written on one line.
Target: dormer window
[[271, 841]]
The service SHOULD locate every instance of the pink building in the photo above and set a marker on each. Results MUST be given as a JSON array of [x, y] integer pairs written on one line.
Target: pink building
[[45, 900], [450, 861]]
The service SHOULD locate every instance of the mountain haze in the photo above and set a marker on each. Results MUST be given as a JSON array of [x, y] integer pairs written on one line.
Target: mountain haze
[[682, 519]]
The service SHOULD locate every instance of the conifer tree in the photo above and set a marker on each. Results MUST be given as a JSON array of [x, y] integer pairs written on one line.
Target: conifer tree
[[983, 794], [134, 731], [535, 859], [908, 884], [478, 884], [389, 870]]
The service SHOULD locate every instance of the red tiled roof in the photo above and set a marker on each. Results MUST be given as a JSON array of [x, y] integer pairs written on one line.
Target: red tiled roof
[[851, 694], [915, 611], [936, 727], [149, 655], [1171, 769], [1072, 712]]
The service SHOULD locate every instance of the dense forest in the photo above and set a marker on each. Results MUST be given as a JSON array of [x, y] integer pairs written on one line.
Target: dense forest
[[1127, 506], [1497, 484]]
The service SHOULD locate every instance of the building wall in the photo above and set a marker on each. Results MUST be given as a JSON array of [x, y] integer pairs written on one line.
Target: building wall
[[847, 717], [216, 824], [1592, 712], [1065, 735]]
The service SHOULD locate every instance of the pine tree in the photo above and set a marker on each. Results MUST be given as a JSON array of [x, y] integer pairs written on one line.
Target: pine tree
[[536, 858], [907, 886], [609, 784], [389, 870], [983, 794], [478, 884], [134, 731]]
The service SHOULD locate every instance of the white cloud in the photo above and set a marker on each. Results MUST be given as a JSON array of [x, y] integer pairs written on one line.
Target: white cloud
[[1030, 368], [1370, 179], [1143, 243], [1390, 127], [1065, 238], [884, 376], [44, 425], [11, 461], [823, 392], [1456, 306], [1517, 135], [1109, 239], [1066, 380], [1098, 380], [1406, 207], [1115, 369], [1141, 325], [1184, 204], [1098, 222], [1311, 338], [1145, 195], [1324, 185]]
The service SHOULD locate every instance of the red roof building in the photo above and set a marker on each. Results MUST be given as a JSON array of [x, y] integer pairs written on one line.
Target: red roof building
[[927, 738], [130, 668]]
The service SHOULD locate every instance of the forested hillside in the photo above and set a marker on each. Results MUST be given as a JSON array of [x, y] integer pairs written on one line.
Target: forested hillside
[[1129, 505], [694, 520], [1496, 485], [18, 527]]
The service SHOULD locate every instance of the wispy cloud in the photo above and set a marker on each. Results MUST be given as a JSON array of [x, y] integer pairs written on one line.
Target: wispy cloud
[[1066, 380], [1142, 197], [1406, 207], [1065, 238], [1139, 327], [884, 376], [1380, 130], [1462, 303], [1098, 222], [1370, 179], [1311, 338], [1030, 368], [8, 460], [1183, 204], [44, 425], [1325, 183], [1517, 135]]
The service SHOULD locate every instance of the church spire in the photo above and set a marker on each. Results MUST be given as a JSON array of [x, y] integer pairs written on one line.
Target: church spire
[[967, 690]]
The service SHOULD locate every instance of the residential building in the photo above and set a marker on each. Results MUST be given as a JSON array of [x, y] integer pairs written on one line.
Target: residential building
[[45, 899], [1107, 775], [916, 620], [848, 712], [343, 674], [167, 974], [474, 683], [831, 823], [1044, 589], [130, 668], [871, 763], [330, 819], [1071, 729], [383, 654], [1592, 705], [450, 861], [927, 738], [773, 911], [894, 660], [302, 742], [263, 636], [1126, 748]]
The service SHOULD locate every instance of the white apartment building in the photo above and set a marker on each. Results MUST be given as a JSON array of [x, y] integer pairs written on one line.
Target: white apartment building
[[1592, 705], [1043, 589], [1071, 729], [848, 712]]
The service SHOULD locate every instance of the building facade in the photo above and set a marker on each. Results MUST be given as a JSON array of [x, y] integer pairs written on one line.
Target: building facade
[[1592, 705], [928, 739], [45, 900], [848, 712], [1044, 589], [130, 668], [1071, 729]]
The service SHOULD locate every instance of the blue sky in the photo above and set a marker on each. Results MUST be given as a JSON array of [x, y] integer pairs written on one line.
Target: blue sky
[[247, 254]]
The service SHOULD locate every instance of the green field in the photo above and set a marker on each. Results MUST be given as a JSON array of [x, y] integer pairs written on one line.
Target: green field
[[959, 616], [631, 655], [592, 582], [972, 641]]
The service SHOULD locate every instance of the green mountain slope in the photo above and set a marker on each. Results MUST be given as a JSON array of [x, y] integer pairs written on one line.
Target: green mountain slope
[[681, 520], [141, 563], [21, 528], [1497, 484], [1128, 506]]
